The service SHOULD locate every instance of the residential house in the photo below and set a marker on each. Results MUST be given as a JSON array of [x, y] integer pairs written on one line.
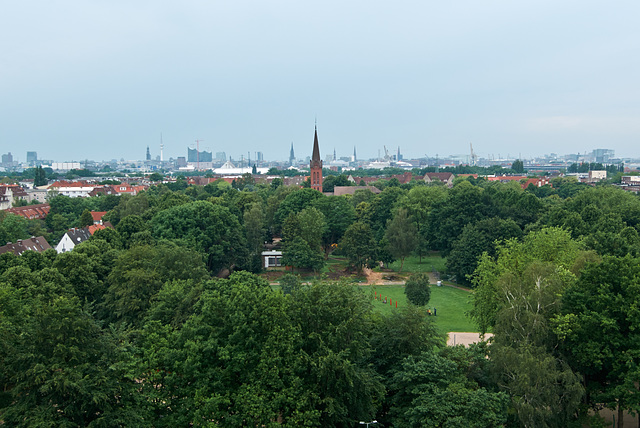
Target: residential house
[[97, 216], [31, 212], [443, 177], [38, 244], [537, 182], [9, 194], [128, 189], [103, 190], [72, 189], [37, 194]]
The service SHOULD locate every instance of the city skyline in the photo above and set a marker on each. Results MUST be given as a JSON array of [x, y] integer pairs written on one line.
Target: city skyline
[[101, 81]]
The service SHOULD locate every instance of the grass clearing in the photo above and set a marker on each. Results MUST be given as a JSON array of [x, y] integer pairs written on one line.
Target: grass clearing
[[451, 305], [429, 263]]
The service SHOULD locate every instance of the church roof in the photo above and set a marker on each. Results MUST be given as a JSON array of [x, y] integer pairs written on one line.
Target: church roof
[[316, 148]]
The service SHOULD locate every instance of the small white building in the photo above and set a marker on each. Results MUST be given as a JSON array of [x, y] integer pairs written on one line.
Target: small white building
[[272, 258]]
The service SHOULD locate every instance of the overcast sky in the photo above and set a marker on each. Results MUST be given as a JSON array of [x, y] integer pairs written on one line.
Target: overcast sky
[[103, 79]]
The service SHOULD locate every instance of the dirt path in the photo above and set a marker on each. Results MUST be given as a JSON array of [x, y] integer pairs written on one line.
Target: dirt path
[[377, 278]]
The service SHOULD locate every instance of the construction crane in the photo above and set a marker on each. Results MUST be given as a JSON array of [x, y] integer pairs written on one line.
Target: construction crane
[[474, 157], [387, 158]]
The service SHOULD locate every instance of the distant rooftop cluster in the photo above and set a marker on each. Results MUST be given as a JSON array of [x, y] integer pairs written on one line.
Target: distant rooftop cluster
[[223, 164]]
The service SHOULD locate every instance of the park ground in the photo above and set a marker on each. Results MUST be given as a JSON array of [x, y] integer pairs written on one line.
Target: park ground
[[450, 302]]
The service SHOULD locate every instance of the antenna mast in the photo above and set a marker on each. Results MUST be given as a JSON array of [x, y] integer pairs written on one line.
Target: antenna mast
[[474, 157]]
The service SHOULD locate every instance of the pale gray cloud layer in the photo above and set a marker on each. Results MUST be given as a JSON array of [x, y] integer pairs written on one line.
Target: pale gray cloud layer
[[102, 79]]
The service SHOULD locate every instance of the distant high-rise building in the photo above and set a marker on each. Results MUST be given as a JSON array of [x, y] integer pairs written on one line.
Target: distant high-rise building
[[7, 159], [334, 153], [292, 156], [32, 157], [399, 157], [603, 155], [181, 162], [203, 156], [316, 164], [221, 156], [148, 154], [260, 156]]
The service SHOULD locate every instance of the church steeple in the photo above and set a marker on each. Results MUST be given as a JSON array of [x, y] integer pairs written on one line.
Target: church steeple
[[316, 164], [292, 156]]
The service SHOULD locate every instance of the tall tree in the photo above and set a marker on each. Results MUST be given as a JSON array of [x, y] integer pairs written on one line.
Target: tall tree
[[401, 235], [518, 294], [40, 177], [418, 203], [417, 289], [359, 245], [598, 328], [86, 219], [339, 213], [209, 228], [255, 232], [517, 166], [476, 239]]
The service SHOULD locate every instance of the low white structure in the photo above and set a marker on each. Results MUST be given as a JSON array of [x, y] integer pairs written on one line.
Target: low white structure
[[272, 258], [64, 166]]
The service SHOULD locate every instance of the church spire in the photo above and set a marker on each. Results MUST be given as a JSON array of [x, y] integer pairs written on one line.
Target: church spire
[[316, 149], [292, 156], [315, 165]]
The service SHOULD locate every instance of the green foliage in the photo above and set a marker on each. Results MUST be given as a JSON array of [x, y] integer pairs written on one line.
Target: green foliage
[[156, 176], [299, 254], [475, 239], [58, 367], [339, 214], [335, 322], [328, 183], [517, 166], [358, 245], [40, 178], [290, 283], [139, 273], [401, 235], [417, 289], [209, 228], [295, 202], [12, 228], [255, 234], [434, 390], [85, 219], [518, 295], [598, 327]]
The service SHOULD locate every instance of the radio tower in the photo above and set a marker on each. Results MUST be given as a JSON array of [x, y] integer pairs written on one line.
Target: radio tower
[[161, 148]]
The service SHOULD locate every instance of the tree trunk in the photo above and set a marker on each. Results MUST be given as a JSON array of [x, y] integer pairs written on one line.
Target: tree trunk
[[620, 415], [401, 264]]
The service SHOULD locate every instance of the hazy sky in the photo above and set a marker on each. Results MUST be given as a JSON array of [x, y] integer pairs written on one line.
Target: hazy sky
[[102, 79]]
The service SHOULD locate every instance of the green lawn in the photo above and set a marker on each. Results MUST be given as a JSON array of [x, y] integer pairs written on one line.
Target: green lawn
[[451, 305], [429, 263]]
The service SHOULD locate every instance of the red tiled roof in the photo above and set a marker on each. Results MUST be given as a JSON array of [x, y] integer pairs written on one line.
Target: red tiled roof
[[64, 183], [537, 182], [31, 212], [97, 215], [94, 227]]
